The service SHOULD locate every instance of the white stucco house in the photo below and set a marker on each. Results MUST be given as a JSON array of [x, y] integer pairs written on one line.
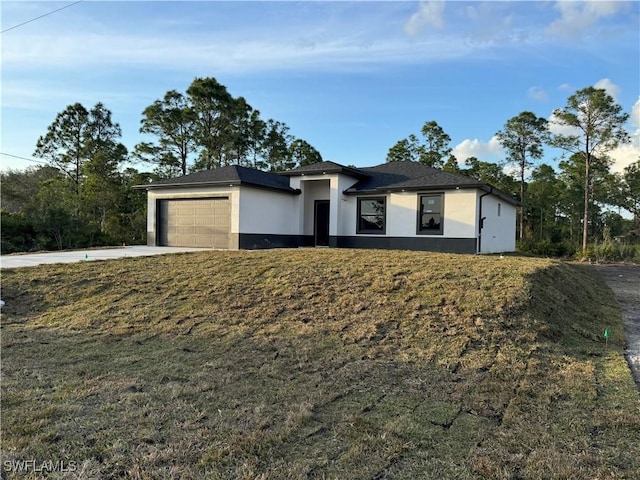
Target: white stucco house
[[397, 205]]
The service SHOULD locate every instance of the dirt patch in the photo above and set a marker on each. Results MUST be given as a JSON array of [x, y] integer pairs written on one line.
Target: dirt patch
[[624, 280]]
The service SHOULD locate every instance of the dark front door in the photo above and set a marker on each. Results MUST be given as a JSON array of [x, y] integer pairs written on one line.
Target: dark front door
[[321, 223]]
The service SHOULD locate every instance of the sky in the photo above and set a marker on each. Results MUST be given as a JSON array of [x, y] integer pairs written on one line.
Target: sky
[[350, 78]]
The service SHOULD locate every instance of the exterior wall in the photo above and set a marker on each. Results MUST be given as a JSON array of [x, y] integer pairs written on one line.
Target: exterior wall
[[499, 231], [271, 219], [268, 212], [193, 192], [339, 183], [313, 190], [323, 187], [428, 244], [402, 215]]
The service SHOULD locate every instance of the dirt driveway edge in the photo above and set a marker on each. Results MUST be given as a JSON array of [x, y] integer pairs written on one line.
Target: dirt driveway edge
[[624, 280]]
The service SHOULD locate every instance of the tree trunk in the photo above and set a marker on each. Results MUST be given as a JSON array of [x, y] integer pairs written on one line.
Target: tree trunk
[[585, 217], [522, 208]]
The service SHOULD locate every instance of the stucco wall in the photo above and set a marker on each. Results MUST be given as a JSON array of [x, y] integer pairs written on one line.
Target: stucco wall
[[270, 212], [323, 187], [499, 231], [312, 190], [402, 214]]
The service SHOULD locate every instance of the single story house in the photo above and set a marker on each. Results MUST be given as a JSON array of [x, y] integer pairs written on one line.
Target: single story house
[[396, 205]]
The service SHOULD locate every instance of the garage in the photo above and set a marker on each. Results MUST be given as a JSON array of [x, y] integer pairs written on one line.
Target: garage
[[191, 222]]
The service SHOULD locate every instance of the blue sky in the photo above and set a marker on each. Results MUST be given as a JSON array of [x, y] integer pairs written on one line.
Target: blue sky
[[351, 78]]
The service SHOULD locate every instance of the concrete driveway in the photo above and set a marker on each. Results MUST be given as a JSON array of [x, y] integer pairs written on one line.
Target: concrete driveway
[[32, 259]]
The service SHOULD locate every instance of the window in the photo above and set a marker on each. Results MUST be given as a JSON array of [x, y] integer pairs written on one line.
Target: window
[[371, 215], [430, 214]]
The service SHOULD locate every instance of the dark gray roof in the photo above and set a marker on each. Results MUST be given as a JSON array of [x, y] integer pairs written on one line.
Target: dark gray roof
[[398, 176], [409, 175], [229, 175], [325, 167], [392, 176]]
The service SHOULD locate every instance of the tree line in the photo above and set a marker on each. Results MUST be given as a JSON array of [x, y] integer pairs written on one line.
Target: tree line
[[209, 124], [559, 209], [83, 197]]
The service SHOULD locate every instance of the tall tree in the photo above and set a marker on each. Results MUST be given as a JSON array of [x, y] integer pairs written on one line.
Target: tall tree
[[84, 145], [65, 144], [212, 105], [451, 165], [303, 154], [172, 121], [257, 133], [572, 174], [631, 191], [544, 193], [239, 131], [597, 122], [405, 150], [276, 146], [523, 137], [490, 173], [435, 150]]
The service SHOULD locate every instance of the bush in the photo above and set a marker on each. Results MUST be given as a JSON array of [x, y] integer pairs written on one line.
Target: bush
[[18, 233], [612, 251], [547, 248]]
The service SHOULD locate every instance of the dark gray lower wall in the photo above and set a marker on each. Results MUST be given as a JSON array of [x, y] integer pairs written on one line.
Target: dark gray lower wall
[[256, 241], [429, 244]]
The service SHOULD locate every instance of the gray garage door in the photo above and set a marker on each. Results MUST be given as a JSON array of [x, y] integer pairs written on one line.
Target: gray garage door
[[202, 222]]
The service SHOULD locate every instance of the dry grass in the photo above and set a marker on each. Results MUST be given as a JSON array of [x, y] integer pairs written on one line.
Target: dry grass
[[316, 364]]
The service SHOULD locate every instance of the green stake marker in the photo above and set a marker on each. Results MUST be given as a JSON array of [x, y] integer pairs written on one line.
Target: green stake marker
[[607, 334]]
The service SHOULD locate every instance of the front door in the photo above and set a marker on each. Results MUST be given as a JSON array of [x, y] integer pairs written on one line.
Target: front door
[[321, 223]]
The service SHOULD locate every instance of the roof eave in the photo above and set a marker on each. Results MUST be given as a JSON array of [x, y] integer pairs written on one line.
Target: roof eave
[[422, 188], [151, 186], [219, 183], [328, 171]]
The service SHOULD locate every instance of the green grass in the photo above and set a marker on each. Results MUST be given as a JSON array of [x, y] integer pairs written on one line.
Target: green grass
[[327, 364]]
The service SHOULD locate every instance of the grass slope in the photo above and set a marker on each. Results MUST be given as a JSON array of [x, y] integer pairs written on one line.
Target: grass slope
[[316, 364]]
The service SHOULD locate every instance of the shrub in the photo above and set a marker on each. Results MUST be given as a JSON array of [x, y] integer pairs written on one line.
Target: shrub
[[547, 248], [613, 251], [18, 233]]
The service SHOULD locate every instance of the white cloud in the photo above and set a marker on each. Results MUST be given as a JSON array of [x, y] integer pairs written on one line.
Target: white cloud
[[566, 87], [610, 87], [485, 151], [624, 155], [635, 114], [578, 18], [429, 14], [93, 50], [537, 93], [558, 128]]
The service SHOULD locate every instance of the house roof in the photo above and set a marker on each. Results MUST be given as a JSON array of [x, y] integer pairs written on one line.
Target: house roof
[[411, 176], [229, 175], [408, 175], [388, 177], [325, 167]]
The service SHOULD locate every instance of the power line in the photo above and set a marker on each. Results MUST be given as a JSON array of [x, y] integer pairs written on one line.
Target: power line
[[24, 158], [41, 16]]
